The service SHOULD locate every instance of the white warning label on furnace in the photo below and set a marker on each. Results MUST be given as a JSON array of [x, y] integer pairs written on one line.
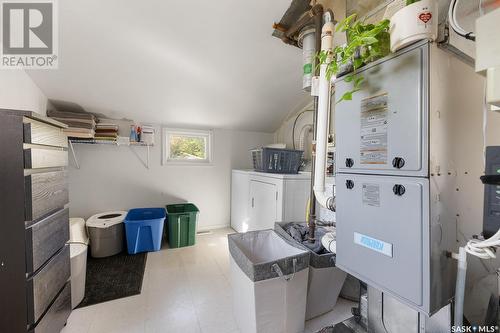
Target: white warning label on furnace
[[371, 195], [374, 124]]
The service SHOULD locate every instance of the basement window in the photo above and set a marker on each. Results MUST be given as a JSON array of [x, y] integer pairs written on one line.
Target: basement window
[[185, 146]]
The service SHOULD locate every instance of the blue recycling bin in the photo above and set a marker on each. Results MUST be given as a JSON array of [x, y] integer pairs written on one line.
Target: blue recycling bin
[[144, 229]]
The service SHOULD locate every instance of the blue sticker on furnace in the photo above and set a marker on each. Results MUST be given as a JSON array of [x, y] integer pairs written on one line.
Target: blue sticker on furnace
[[373, 244]]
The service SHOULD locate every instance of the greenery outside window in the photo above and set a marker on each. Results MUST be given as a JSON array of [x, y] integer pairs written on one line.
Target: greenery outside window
[[185, 146]]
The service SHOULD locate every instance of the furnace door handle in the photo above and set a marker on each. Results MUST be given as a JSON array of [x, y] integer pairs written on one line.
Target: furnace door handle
[[398, 162], [399, 190]]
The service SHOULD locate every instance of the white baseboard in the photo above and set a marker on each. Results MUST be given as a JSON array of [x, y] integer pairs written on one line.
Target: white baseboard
[[213, 227]]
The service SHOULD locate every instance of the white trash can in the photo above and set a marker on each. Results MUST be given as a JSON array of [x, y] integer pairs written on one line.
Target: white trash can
[[78, 254], [269, 282], [78, 243]]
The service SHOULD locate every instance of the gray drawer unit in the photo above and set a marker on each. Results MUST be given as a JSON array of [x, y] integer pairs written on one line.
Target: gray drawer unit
[[42, 157], [44, 286], [389, 244], [37, 132], [34, 260], [45, 193], [384, 129], [45, 238], [58, 313]]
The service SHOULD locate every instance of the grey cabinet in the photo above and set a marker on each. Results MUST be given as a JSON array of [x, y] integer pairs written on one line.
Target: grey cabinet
[[388, 243], [35, 293]]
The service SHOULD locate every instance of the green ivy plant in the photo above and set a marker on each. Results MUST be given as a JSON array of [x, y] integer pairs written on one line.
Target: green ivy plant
[[365, 43]]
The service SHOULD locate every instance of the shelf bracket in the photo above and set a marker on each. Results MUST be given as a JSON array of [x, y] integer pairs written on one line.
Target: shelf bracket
[[73, 154], [144, 163]]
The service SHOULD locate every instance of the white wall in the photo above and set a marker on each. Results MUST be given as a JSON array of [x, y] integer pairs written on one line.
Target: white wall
[[285, 133], [19, 92], [114, 178], [465, 131]]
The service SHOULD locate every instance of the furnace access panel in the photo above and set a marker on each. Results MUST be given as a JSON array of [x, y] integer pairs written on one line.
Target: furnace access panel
[[384, 129]]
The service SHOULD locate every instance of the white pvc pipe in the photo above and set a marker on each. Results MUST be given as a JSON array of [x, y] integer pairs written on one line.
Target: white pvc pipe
[[460, 287], [329, 242], [322, 134], [324, 90]]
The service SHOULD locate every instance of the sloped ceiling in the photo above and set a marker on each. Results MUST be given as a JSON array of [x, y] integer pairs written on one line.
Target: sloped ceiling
[[188, 63]]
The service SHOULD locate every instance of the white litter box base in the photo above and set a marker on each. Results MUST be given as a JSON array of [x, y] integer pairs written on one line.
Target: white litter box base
[[78, 254]]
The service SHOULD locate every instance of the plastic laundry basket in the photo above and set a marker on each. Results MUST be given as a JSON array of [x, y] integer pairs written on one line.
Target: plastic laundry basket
[[144, 229], [181, 221], [269, 282], [275, 160]]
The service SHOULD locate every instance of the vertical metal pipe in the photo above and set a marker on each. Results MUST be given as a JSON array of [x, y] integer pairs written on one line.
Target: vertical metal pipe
[[318, 21], [312, 200]]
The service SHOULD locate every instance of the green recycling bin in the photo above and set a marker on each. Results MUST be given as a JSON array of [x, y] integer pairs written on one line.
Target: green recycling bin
[[181, 221]]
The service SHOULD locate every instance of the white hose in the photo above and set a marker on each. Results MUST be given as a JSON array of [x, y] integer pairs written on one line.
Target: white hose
[[483, 249]]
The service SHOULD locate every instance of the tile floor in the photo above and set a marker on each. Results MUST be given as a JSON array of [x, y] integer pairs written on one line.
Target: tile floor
[[184, 290]]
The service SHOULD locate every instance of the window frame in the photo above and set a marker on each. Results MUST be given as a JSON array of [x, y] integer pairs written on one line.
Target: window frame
[[167, 132]]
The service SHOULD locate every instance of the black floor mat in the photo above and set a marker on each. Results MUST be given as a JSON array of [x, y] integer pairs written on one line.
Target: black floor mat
[[350, 325], [339, 328], [113, 277]]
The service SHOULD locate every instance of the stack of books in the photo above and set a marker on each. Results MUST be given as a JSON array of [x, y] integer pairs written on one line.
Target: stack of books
[[81, 125], [106, 131]]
